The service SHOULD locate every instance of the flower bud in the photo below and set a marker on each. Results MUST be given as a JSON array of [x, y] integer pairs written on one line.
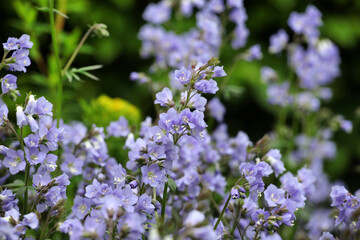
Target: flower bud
[[234, 193], [133, 184]]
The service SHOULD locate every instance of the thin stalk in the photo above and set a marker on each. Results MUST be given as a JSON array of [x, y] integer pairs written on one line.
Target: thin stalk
[[163, 204], [222, 212], [3, 59], [235, 220], [56, 52], [154, 194], [75, 53], [230, 72], [226, 205], [27, 170]]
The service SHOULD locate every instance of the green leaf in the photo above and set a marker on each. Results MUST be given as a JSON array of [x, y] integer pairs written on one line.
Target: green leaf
[[16, 183], [46, 9], [172, 184], [20, 191], [68, 76], [90, 68], [89, 75]]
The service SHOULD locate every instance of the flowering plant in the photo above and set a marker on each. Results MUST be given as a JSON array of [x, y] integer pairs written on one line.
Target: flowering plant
[[184, 176]]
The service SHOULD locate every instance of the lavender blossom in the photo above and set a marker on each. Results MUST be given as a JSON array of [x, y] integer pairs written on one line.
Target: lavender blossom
[[278, 41], [8, 83], [216, 109], [164, 98]]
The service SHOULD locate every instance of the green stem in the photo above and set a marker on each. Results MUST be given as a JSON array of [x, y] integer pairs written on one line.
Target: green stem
[[154, 194], [27, 170], [230, 72], [163, 204], [3, 59], [235, 221], [75, 53], [226, 205], [56, 52], [222, 212]]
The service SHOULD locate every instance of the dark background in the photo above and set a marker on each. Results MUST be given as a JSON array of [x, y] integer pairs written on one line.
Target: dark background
[[119, 55]]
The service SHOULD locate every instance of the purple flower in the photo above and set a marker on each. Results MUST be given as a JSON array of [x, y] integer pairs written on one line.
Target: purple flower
[[274, 158], [307, 102], [235, 193], [8, 83], [4, 111], [216, 109], [22, 60], [43, 107], [278, 94], [278, 41], [34, 125], [8, 200], [93, 190], [53, 196], [206, 86], [120, 128], [31, 220], [14, 160], [31, 105], [34, 156], [153, 175], [274, 196], [127, 198], [164, 98], [133, 184], [219, 72], [73, 227], [195, 121], [72, 165], [306, 23], [268, 74], [24, 41], [345, 125], [50, 162], [217, 6], [308, 179], [327, 236], [295, 194], [11, 44], [274, 236], [195, 100], [119, 176], [157, 13], [253, 53], [144, 204], [170, 121], [260, 216], [140, 77], [183, 75], [241, 35], [234, 3], [339, 195], [214, 182], [156, 152], [32, 140], [81, 207], [195, 217], [54, 135]]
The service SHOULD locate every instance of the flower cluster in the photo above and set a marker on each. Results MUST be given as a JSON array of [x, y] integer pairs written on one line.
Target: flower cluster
[[18, 61], [199, 43], [348, 207], [181, 179], [315, 66]]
